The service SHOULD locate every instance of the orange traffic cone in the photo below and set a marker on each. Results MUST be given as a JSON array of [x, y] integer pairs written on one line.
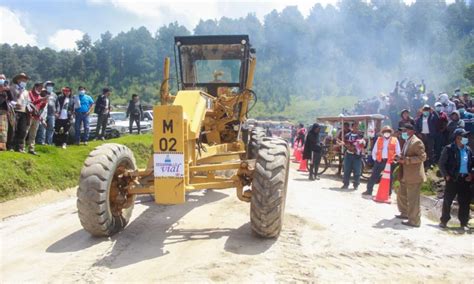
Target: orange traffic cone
[[298, 155], [384, 186], [303, 166]]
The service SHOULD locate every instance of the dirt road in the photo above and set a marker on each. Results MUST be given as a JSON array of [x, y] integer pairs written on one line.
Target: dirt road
[[329, 235]]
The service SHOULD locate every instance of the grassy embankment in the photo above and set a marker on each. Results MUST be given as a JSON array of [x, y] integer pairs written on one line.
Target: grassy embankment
[[56, 168]]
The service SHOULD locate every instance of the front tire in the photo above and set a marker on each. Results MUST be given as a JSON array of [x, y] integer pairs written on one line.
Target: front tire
[[104, 207], [269, 186]]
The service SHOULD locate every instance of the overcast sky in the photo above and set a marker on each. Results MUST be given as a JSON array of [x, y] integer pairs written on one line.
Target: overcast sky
[[59, 23]]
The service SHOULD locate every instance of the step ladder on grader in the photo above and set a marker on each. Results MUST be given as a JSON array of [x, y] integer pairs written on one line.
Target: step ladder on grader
[[198, 139]]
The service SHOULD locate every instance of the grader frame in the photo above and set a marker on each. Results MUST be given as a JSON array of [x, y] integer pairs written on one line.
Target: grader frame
[[197, 142]]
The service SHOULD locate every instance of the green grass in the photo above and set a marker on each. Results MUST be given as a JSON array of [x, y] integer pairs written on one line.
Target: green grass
[[57, 168]]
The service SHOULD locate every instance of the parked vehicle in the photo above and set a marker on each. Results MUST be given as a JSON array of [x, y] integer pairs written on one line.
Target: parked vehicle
[[120, 122]]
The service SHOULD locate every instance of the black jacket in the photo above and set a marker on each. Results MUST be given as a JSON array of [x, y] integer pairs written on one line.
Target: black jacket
[[60, 105], [311, 144], [450, 160], [432, 123], [134, 109], [101, 105]]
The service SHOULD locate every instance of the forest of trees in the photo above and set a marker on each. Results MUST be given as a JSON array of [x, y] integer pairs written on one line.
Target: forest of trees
[[354, 49]]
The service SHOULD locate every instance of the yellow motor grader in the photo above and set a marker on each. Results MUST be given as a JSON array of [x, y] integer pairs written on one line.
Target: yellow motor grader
[[198, 139]]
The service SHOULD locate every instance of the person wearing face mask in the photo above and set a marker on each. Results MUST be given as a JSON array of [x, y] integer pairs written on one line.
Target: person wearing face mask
[[411, 175], [385, 149], [20, 101], [83, 105], [425, 125], [441, 135], [463, 113], [448, 106], [455, 165], [46, 133], [455, 123], [36, 118]]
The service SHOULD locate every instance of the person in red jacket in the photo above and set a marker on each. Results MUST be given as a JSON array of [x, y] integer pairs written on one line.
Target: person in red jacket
[[40, 103]]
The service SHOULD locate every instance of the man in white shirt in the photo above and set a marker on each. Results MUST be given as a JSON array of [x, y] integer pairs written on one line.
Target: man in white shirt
[[384, 151], [426, 126]]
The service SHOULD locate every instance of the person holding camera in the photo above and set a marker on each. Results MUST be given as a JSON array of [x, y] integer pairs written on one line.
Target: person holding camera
[[5, 109], [38, 97], [455, 165]]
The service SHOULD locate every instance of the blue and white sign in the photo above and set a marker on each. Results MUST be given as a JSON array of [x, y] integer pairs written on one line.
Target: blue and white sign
[[169, 164]]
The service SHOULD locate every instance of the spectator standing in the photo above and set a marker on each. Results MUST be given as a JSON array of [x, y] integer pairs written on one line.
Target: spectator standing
[[412, 176], [354, 144], [293, 135], [135, 112], [300, 135], [38, 98], [83, 105], [46, 134], [441, 136], [456, 165], [312, 151], [65, 108], [467, 101], [448, 106], [20, 100], [455, 123], [425, 126], [102, 109], [5, 111], [385, 149], [405, 118]]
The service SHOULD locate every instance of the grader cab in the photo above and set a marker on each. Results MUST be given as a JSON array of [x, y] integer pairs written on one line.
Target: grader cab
[[198, 143]]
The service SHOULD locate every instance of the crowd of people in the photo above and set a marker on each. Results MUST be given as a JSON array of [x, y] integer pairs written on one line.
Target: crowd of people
[[40, 116], [435, 135]]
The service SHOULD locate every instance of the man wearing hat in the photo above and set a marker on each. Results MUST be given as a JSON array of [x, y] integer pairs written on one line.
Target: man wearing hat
[[425, 125], [385, 149], [46, 134], [20, 100], [456, 165], [412, 176], [102, 109]]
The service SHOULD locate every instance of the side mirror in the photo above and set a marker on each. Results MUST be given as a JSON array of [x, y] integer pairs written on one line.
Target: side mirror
[[146, 119]]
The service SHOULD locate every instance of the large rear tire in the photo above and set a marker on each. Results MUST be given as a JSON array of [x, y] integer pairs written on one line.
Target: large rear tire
[[103, 205], [269, 186]]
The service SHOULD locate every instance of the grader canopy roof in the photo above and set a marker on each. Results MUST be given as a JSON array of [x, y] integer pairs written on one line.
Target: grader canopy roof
[[210, 62]]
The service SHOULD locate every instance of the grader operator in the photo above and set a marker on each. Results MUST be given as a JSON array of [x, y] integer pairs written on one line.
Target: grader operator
[[197, 141]]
